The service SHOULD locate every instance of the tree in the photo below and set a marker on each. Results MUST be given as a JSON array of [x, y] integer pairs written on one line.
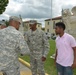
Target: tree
[[3, 4], [7, 23]]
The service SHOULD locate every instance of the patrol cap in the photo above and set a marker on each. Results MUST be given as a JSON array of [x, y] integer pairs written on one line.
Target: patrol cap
[[32, 22], [2, 24], [15, 19]]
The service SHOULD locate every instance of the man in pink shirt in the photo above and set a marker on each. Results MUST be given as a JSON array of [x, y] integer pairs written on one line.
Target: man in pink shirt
[[66, 51]]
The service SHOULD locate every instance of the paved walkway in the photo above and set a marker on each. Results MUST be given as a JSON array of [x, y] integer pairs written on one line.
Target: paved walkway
[[24, 70]]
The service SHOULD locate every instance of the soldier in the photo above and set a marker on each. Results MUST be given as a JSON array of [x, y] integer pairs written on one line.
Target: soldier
[[11, 43], [39, 47], [3, 25]]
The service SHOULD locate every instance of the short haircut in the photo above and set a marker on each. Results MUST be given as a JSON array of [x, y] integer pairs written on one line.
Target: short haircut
[[61, 25]]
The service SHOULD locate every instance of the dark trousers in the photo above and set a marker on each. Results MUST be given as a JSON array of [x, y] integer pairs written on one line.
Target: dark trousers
[[64, 70]]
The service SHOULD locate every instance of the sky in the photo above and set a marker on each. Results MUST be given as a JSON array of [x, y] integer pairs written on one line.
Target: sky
[[36, 9]]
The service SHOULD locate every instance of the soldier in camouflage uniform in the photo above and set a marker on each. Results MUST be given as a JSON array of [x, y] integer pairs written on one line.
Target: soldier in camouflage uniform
[[39, 47], [11, 43]]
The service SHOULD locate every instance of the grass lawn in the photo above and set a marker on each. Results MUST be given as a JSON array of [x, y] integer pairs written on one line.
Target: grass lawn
[[49, 66]]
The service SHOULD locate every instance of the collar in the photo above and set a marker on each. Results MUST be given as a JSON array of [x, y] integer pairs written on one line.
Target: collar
[[62, 36], [11, 27], [34, 31]]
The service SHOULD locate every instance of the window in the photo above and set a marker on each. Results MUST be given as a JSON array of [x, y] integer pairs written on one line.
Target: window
[[53, 24], [47, 30], [38, 25], [48, 23]]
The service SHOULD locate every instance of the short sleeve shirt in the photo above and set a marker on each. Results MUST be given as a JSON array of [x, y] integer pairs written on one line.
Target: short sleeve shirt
[[65, 53]]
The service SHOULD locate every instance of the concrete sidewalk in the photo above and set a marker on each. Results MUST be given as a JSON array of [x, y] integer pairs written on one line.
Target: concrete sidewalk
[[24, 70]]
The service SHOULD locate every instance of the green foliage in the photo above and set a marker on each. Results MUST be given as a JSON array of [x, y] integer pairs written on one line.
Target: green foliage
[[3, 4], [7, 23]]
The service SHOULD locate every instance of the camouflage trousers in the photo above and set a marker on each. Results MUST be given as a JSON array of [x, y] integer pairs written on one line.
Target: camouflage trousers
[[11, 70], [37, 66]]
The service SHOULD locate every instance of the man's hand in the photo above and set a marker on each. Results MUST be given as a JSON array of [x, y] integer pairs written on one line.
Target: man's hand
[[55, 62], [43, 59], [74, 65]]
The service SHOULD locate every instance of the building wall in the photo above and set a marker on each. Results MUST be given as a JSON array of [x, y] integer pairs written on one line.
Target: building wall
[[39, 26], [26, 26], [21, 29], [47, 26], [50, 25]]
